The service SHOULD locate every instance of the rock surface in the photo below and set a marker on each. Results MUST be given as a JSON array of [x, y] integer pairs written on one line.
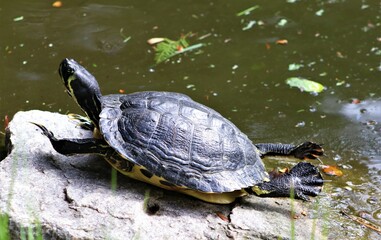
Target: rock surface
[[72, 198]]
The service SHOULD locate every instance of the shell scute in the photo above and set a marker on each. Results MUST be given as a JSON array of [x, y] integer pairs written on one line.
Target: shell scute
[[182, 141]]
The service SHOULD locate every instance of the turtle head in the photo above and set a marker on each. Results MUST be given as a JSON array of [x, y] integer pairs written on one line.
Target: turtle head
[[83, 87]]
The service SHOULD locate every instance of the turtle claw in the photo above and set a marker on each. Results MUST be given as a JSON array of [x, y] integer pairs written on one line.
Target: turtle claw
[[308, 150], [83, 122], [45, 131]]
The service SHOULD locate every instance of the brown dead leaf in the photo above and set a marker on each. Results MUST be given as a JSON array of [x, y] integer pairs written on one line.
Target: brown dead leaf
[[282, 42], [278, 172], [222, 216], [57, 4], [332, 170], [339, 55]]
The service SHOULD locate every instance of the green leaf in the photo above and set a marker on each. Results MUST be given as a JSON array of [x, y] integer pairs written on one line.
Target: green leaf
[[305, 84], [4, 227], [167, 48], [294, 66], [249, 25], [183, 42], [17, 19], [282, 22], [125, 38], [319, 13], [247, 11]]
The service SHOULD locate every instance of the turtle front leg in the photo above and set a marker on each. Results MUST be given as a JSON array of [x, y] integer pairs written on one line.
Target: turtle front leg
[[68, 146], [303, 180], [84, 122], [307, 150]]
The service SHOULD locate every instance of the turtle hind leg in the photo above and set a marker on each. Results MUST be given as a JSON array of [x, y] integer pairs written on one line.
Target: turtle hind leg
[[303, 180], [307, 150]]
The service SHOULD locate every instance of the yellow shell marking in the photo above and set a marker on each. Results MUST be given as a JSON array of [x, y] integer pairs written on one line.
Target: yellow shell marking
[[259, 191], [137, 173]]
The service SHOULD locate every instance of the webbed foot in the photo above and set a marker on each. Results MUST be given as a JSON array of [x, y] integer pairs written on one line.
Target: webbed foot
[[83, 122], [307, 150], [303, 180]]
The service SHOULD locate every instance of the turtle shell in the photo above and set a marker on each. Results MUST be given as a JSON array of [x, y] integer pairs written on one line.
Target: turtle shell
[[182, 141]]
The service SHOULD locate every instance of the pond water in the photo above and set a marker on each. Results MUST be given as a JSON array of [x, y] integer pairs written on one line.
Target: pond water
[[240, 72]]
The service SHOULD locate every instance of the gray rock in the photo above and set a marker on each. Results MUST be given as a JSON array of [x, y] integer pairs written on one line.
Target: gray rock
[[72, 198]]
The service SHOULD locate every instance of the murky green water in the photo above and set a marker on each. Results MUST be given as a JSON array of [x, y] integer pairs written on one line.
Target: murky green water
[[241, 73]]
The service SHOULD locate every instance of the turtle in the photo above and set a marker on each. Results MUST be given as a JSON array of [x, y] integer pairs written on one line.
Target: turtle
[[168, 140]]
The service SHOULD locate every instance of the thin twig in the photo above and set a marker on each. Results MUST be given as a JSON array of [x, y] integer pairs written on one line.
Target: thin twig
[[362, 221]]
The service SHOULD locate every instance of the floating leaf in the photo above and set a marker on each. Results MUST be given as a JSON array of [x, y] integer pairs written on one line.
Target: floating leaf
[[156, 40], [332, 170], [17, 19], [282, 42], [247, 11], [249, 25], [125, 38], [294, 66], [282, 22], [166, 48], [340, 83], [57, 4], [190, 48], [319, 13], [305, 85]]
